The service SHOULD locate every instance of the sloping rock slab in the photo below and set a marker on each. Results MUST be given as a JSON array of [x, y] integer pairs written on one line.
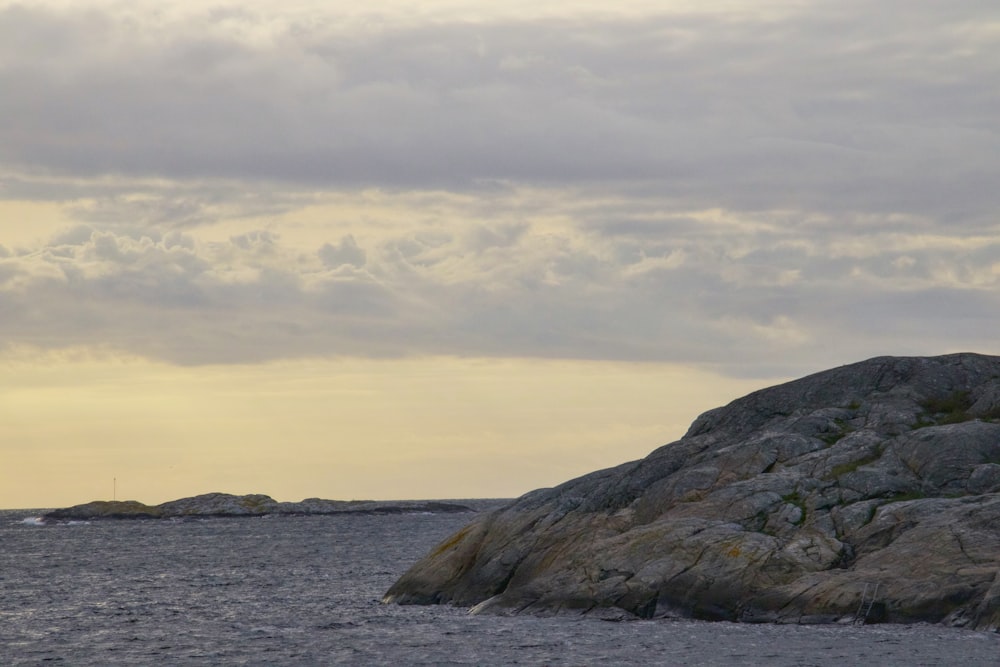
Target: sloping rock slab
[[780, 507]]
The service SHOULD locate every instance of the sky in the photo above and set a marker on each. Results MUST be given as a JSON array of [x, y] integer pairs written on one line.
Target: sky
[[452, 249]]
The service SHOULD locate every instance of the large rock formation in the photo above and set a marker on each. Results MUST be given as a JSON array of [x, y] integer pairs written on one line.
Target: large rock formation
[[255, 504], [781, 506]]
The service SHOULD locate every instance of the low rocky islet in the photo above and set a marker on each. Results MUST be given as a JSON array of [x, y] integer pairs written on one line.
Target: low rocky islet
[[229, 505]]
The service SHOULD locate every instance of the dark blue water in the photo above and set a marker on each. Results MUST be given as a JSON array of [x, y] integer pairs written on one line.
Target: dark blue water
[[306, 591]]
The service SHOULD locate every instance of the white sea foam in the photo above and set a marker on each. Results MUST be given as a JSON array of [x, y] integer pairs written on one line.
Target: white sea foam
[[33, 521]]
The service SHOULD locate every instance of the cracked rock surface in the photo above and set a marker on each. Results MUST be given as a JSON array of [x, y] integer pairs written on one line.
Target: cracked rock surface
[[779, 507]]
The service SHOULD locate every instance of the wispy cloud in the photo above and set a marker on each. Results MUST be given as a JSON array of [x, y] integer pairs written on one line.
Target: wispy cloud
[[715, 291]]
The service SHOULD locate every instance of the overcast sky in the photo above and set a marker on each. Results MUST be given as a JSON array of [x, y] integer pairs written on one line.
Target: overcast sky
[[749, 191]]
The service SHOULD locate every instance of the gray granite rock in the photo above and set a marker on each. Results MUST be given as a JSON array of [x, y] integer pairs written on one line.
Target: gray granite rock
[[779, 507]]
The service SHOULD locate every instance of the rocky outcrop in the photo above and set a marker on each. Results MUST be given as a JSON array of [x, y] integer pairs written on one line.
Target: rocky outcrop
[[226, 505], [780, 507]]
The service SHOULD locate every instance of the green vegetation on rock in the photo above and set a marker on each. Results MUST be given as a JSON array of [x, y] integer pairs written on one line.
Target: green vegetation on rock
[[844, 468]]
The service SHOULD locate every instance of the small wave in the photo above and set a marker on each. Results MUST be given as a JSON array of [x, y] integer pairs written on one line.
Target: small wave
[[33, 521]]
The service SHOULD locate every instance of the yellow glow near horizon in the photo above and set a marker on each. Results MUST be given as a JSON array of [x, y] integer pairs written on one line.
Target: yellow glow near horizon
[[341, 428], [28, 223]]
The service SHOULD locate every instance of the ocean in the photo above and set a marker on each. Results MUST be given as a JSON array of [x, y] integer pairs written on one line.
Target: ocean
[[306, 591]]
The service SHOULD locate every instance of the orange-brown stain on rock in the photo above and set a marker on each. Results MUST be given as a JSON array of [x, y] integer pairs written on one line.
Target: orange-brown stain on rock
[[449, 543]]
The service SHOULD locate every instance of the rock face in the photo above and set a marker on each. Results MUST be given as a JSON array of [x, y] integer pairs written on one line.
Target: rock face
[[226, 505], [780, 507]]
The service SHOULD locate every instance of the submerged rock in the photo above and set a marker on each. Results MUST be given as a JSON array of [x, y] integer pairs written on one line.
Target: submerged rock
[[779, 507], [227, 505]]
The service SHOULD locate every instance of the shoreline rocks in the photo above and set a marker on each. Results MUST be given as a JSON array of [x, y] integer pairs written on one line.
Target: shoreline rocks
[[782, 506], [251, 505]]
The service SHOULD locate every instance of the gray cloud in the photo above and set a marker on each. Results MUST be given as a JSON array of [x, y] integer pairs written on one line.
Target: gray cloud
[[346, 252], [832, 107]]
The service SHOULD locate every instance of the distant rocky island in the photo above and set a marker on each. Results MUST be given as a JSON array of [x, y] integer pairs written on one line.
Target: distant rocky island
[[866, 493], [227, 505]]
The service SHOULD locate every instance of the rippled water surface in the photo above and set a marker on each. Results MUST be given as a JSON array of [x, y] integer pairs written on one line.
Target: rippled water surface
[[306, 590]]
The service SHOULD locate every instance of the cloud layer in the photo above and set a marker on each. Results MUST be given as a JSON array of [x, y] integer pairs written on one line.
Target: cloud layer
[[715, 291], [812, 182], [833, 106]]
